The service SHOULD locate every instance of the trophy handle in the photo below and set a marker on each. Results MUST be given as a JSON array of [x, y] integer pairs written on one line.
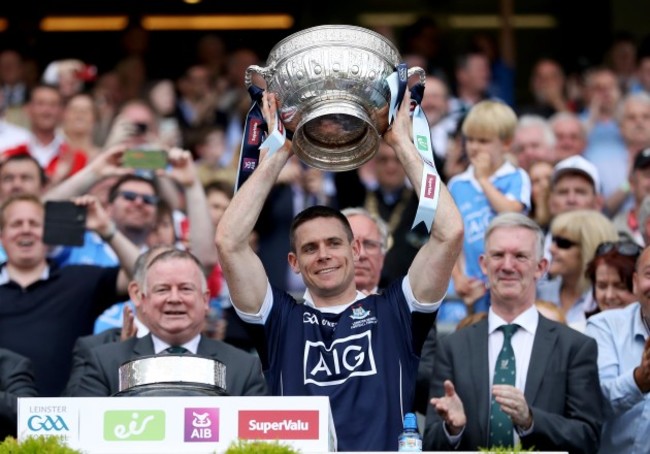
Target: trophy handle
[[254, 69], [420, 72]]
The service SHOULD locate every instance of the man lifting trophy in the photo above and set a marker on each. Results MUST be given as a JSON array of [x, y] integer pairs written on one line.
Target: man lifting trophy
[[333, 83]]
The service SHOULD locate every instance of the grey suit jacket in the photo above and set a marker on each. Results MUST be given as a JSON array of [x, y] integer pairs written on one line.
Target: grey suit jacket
[[80, 355], [243, 370], [16, 380], [562, 389]]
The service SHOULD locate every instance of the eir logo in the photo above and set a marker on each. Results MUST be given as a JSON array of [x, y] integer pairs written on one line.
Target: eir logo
[[348, 357]]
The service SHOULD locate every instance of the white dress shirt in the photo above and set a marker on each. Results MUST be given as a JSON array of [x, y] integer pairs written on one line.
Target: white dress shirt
[[160, 345], [522, 342]]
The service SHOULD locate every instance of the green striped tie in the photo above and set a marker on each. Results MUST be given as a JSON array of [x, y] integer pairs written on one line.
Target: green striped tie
[[176, 350]]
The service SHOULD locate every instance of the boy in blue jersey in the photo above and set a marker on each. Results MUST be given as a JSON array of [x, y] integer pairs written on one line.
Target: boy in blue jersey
[[360, 351], [491, 185]]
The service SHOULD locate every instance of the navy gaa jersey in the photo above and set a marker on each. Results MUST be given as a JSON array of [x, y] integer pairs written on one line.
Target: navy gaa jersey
[[365, 359]]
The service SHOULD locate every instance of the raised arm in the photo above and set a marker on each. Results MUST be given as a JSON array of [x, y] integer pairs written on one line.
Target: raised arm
[[242, 268], [431, 268], [98, 220], [106, 164], [183, 171]]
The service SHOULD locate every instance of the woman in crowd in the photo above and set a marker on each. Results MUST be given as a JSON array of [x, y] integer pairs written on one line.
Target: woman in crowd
[[576, 234], [610, 273]]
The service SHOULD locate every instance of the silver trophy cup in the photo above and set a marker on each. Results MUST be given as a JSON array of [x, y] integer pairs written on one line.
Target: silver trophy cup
[[331, 83]]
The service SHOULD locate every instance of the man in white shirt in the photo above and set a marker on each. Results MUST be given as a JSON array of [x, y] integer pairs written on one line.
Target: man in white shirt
[[173, 304], [534, 381]]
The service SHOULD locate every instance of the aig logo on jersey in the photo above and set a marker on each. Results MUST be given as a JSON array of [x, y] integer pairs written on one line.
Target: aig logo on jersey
[[348, 357]]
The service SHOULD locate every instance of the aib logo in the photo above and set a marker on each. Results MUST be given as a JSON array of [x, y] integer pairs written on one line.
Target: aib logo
[[201, 424], [38, 423], [134, 425]]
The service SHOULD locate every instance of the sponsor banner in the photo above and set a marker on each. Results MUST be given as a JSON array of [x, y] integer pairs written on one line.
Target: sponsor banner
[[58, 419], [134, 425], [201, 424], [166, 425], [278, 425]]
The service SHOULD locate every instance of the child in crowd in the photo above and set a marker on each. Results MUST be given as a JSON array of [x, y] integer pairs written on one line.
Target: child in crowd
[[491, 185], [210, 150]]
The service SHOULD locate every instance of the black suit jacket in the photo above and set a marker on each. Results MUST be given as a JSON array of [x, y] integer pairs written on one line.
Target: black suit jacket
[[16, 380], [243, 370], [562, 389]]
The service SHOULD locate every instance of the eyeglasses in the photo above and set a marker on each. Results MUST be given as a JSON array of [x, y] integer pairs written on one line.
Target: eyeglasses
[[627, 248], [371, 246], [563, 243], [133, 196]]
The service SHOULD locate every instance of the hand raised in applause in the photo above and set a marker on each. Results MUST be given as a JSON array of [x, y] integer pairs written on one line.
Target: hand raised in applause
[[513, 403], [642, 372], [450, 408]]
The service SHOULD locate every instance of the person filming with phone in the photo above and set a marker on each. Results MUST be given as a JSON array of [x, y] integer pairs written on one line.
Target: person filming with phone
[[44, 308]]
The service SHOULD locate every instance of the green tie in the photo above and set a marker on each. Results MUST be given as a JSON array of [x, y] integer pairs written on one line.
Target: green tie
[[176, 350], [504, 374]]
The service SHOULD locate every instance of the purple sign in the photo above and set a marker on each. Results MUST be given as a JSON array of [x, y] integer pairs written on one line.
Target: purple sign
[[201, 424]]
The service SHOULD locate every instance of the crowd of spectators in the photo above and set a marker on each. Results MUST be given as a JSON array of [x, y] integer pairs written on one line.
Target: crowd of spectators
[[573, 156]]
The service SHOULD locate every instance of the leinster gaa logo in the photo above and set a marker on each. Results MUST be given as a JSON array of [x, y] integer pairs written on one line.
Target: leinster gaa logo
[[359, 313]]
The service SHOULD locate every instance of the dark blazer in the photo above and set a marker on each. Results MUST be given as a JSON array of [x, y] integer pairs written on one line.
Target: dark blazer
[[243, 370], [16, 380], [80, 355], [562, 389]]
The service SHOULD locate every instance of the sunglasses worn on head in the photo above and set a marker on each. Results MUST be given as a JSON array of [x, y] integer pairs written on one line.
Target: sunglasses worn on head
[[563, 243], [133, 196], [627, 248]]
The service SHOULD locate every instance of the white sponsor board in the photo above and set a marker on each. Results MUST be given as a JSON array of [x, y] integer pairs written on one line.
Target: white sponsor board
[[178, 424]]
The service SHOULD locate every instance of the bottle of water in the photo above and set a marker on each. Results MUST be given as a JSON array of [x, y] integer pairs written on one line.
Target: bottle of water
[[410, 439]]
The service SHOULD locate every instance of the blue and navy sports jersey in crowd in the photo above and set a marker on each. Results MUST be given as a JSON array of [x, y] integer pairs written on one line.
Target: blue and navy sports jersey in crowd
[[365, 359]]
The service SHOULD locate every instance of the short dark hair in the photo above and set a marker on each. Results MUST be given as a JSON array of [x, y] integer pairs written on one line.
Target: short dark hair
[[115, 189], [43, 86], [18, 157], [315, 212], [219, 186], [624, 265]]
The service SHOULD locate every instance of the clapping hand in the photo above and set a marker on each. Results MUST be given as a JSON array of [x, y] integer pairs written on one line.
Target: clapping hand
[[450, 408], [642, 372], [513, 403]]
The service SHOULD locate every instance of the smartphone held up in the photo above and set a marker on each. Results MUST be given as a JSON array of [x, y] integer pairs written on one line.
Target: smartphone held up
[[144, 159], [65, 223]]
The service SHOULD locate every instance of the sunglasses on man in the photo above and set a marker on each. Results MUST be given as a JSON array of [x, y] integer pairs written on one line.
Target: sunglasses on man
[[147, 199]]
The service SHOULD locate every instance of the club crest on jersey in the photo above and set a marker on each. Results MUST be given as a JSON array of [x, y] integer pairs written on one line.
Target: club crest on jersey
[[347, 357], [359, 313]]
